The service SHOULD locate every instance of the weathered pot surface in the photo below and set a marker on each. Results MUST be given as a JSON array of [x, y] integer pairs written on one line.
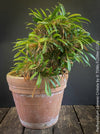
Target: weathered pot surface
[[40, 111]]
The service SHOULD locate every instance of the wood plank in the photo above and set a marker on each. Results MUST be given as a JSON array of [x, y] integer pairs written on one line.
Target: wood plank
[[3, 112], [87, 117], [29, 131], [68, 122], [44, 131], [11, 123]]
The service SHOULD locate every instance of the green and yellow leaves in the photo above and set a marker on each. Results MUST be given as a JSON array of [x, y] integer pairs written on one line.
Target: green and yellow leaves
[[55, 12], [37, 15], [54, 44]]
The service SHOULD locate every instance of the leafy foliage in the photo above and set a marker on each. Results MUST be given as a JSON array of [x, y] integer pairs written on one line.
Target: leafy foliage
[[56, 42]]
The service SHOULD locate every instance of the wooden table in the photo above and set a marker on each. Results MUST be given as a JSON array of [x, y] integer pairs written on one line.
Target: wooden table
[[73, 120]]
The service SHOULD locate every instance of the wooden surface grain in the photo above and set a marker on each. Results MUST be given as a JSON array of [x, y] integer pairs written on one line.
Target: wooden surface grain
[[87, 117], [11, 123], [3, 112], [68, 123], [72, 120]]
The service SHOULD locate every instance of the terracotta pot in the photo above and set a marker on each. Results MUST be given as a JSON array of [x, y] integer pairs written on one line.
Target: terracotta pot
[[40, 111]]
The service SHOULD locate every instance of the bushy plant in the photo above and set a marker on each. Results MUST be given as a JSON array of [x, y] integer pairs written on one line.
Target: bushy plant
[[51, 48]]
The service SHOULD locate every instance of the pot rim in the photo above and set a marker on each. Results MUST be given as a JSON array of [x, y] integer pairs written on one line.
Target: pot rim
[[21, 77], [22, 86]]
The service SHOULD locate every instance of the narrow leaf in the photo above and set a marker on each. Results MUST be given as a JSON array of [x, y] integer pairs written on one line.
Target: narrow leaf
[[43, 12], [33, 75], [38, 83], [74, 15], [44, 47], [46, 88], [49, 89], [52, 83], [62, 41], [68, 64], [56, 79]]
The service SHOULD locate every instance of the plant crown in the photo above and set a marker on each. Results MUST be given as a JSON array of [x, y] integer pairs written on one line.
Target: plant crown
[[51, 48]]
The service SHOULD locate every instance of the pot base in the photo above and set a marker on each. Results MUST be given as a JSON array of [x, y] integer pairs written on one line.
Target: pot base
[[40, 125]]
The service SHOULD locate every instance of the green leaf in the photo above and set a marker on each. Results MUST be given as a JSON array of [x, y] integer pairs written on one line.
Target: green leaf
[[49, 89], [56, 79], [41, 58], [60, 17], [33, 35], [53, 32], [44, 47], [35, 14], [75, 20], [17, 63], [77, 59], [91, 55], [58, 46], [38, 12], [86, 61], [46, 89], [80, 43], [45, 63], [43, 22], [56, 10], [78, 50], [63, 12], [82, 18], [68, 64], [22, 51], [33, 75], [21, 58], [42, 39], [17, 54], [62, 41], [47, 29], [74, 15], [86, 57], [36, 19], [55, 28], [20, 47], [52, 82], [56, 35], [38, 83], [28, 24], [43, 12], [59, 78], [86, 42], [32, 66]]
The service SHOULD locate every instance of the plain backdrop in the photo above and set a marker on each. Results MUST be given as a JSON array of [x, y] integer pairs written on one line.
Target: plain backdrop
[[13, 18]]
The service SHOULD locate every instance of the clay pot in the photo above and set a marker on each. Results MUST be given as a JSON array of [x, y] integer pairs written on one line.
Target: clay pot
[[40, 111]]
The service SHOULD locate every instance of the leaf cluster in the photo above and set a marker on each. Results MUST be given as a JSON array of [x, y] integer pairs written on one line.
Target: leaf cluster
[[51, 48]]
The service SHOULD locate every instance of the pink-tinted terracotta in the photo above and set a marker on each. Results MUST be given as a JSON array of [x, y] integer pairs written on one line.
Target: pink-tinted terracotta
[[40, 111]]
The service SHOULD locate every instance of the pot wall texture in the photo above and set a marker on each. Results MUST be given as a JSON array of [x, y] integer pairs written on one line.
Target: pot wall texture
[[13, 17]]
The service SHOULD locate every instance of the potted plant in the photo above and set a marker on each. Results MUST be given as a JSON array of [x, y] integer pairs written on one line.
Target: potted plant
[[42, 63]]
